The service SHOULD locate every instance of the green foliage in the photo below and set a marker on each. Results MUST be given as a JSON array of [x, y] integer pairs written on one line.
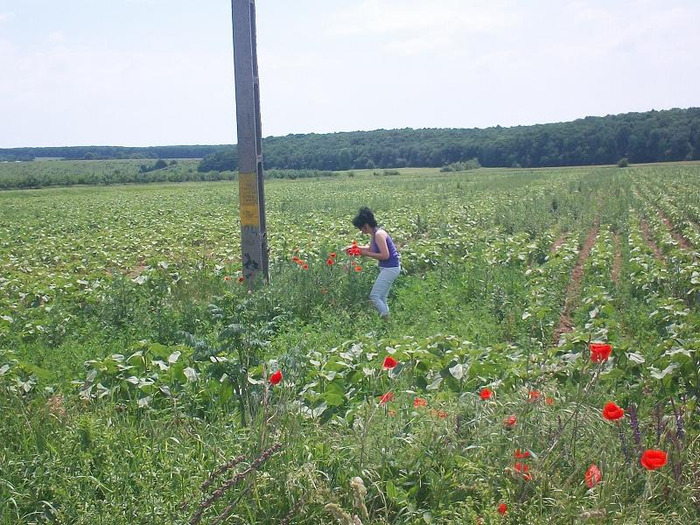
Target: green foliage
[[135, 366], [471, 164]]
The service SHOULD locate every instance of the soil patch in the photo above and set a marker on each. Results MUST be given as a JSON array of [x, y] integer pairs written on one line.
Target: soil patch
[[573, 290]]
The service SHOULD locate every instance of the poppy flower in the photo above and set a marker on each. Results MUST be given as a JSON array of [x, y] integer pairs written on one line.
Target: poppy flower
[[420, 402], [358, 268], [485, 394], [330, 261], [523, 469], [227, 278], [521, 455], [600, 352], [333, 255], [241, 279], [612, 412], [653, 459], [533, 395], [276, 377], [441, 414], [549, 400], [389, 396], [389, 363], [305, 266], [593, 476], [502, 509], [509, 423], [295, 259]]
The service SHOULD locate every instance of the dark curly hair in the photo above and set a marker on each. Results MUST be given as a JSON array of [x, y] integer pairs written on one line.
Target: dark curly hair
[[364, 216]]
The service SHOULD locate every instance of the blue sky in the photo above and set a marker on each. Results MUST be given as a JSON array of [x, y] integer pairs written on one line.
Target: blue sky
[[151, 72]]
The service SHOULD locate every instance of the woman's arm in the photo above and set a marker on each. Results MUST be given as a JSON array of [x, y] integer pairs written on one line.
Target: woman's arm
[[380, 239]]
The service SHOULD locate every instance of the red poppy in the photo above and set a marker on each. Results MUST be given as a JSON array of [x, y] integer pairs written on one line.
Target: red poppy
[[509, 423], [305, 266], [534, 395], [333, 255], [295, 259], [440, 414], [612, 412], [420, 402], [592, 476], [227, 278], [653, 459], [389, 363], [358, 268], [276, 377], [330, 261], [353, 250], [523, 469], [600, 352], [389, 396], [502, 508], [549, 400], [485, 394], [521, 455]]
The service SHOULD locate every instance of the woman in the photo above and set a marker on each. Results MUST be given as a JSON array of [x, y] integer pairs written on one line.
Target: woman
[[381, 248]]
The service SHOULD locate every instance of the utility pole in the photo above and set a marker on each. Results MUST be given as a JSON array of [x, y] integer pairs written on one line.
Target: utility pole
[[254, 256]]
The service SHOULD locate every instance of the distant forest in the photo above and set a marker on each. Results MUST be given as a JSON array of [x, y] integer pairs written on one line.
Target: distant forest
[[653, 136]]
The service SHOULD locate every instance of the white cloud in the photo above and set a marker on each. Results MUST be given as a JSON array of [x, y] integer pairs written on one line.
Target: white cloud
[[411, 26], [5, 16]]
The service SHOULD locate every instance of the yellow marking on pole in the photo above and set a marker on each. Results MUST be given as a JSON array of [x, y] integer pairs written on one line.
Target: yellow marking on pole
[[248, 192]]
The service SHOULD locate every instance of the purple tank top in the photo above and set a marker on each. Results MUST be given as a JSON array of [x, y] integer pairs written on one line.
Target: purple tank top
[[393, 261]]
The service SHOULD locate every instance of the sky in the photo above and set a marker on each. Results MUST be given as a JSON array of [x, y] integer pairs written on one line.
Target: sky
[[158, 72]]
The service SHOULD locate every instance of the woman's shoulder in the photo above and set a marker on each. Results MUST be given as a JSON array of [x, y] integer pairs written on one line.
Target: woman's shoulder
[[381, 232]]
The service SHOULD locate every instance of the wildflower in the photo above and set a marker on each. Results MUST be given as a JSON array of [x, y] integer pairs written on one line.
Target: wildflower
[[389, 396], [358, 268], [600, 352], [612, 412], [521, 455], [485, 394], [420, 402], [593, 476], [523, 469], [296, 259], [440, 414], [392, 413], [330, 261], [305, 266], [276, 377], [653, 459], [353, 250], [333, 255], [227, 278], [509, 423], [549, 400], [241, 279], [534, 395], [389, 363], [502, 509]]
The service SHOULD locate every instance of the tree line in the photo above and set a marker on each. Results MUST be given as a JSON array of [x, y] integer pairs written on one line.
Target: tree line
[[652, 136]]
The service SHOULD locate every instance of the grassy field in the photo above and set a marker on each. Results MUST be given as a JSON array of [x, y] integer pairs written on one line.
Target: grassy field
[[135, 368]]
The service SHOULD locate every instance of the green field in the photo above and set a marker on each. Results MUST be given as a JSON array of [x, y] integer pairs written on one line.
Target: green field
[[133, 363]]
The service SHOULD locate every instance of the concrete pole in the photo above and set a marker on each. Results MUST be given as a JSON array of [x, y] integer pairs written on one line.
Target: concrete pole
[[254, 252]]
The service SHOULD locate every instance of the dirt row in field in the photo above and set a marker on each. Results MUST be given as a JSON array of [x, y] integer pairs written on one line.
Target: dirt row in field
[[573, 290], [682, 241], [557, 244], [651, 244], [617, 262]]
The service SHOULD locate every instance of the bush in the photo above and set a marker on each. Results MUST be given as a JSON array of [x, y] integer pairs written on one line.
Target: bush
[[471, 164], [623, 162]]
